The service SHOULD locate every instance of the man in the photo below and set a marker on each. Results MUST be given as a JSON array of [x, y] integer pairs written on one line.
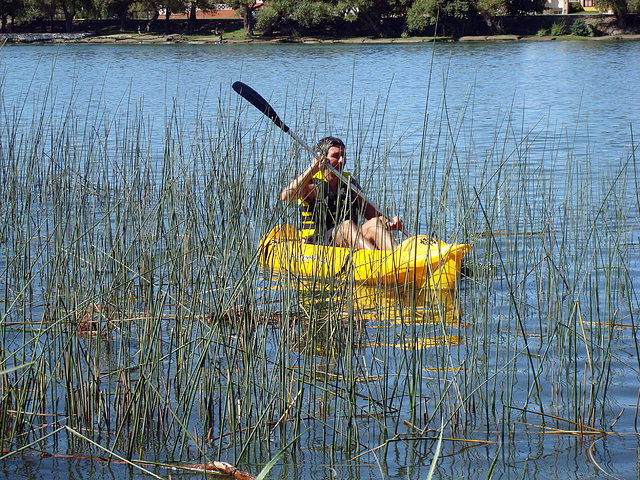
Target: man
[[331, 210]]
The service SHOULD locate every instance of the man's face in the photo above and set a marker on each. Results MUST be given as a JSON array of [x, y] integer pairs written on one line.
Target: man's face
[[335, 158]]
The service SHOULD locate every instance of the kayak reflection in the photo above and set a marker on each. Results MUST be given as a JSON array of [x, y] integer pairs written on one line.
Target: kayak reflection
[[335, 318]]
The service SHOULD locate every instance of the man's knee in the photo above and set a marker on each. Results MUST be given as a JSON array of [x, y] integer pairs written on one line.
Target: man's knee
[[372, 225]]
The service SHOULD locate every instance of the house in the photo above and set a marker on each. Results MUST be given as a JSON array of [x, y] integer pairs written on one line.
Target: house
[[562, 6], [219, 11]]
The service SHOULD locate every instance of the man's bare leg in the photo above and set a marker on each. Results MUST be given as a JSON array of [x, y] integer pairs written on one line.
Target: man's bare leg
[[347, 234], [376, 231]]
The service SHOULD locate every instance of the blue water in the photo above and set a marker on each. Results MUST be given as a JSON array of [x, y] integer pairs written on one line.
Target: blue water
[[546, 112], [578, 86]]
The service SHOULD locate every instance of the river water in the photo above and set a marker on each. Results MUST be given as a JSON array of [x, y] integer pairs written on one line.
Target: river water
[[569, 107], [578, 86]]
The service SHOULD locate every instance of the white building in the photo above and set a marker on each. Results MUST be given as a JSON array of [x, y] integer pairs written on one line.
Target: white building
[[562, 6]]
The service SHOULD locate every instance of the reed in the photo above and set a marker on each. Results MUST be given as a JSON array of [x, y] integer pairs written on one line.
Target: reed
[[135, 315]]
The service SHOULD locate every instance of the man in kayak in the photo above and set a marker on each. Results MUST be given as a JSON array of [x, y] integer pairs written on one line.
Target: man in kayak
[[331, 210]]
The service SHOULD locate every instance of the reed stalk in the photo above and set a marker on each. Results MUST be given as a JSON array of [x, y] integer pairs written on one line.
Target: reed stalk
[[136, 319]]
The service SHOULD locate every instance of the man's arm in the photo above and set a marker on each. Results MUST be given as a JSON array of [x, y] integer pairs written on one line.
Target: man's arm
[[301, 187]]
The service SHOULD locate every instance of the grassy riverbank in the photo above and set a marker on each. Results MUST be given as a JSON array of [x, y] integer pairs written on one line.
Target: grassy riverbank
[[240, 38]]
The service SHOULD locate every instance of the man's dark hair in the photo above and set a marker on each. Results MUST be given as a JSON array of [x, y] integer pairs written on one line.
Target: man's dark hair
[[324, 144]]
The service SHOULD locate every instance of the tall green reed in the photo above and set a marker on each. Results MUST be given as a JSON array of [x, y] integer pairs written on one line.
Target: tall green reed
[[134, 303]]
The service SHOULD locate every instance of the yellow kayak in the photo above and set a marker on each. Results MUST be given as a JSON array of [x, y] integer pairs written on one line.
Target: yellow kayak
[[420, 260]]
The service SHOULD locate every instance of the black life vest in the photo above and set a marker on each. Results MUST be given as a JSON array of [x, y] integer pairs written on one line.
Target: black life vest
[[329, 208]]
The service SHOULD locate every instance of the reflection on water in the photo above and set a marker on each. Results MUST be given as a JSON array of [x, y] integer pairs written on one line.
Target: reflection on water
[[381, 305], [328, 311]]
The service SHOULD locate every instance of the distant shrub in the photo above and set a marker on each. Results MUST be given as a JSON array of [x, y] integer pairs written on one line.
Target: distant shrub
[[543, 32], [558, 29], [595, 26], [580, 28], [575, 7]]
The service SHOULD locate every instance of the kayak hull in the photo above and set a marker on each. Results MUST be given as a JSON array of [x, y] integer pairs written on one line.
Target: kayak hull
[[418, 261]]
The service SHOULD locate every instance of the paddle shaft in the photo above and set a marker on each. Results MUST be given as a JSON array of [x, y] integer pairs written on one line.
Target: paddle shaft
[[255, 99]]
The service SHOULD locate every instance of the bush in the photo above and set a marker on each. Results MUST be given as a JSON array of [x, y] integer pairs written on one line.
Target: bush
[[575, 7], [580, 28], [558, 29]]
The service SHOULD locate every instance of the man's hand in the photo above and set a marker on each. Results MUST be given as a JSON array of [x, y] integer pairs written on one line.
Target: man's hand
[[394, 224], [318, 162]]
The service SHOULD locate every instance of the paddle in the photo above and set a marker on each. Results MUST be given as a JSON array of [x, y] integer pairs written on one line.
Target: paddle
[[255, 99]]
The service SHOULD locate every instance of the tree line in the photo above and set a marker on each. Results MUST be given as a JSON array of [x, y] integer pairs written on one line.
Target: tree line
[[407, 17], [304, 17]]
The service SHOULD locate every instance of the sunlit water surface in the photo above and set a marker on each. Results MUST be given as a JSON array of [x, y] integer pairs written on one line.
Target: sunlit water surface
[[552, 110]]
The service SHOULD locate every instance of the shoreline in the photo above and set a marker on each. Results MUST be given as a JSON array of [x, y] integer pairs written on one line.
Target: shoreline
[[172, 39]]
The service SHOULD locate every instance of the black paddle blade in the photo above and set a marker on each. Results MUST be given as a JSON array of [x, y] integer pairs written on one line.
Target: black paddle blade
[[255, 99]]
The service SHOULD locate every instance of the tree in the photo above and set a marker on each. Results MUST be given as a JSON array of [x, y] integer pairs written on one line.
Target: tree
[[269, 19], [120, 8], [302, 17], [246, 11], [169, 7], [374, 12], [48, 8], [9, 8], [193, 6], [619, 7], [451, 14], [70, 9], [492, 10], [311, 15], [524, 7]]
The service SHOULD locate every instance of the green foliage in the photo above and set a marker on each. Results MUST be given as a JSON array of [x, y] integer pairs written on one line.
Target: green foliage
[[633, 6], [558, 29], [297, 16], [70, 9], [119, 8], [575, 7], [10, 8], [618, 7], [420, 16], [269, 18], [493, 8], [449, 13], [524, 7], [579, 27], [308, 15], [246, 10], [372, 11]]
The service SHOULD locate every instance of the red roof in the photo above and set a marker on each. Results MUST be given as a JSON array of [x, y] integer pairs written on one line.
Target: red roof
[[223, 12], [210, 14]]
